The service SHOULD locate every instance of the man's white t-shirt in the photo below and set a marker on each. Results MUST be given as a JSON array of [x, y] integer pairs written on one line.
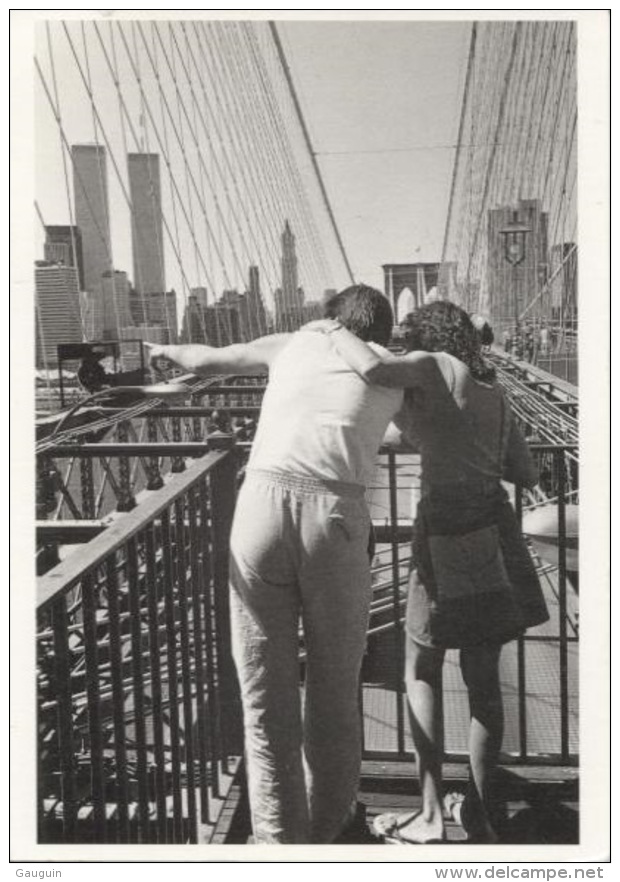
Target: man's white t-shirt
[[319, 419]]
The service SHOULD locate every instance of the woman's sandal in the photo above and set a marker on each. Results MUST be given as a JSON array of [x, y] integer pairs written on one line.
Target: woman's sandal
[[390, 824], [453, 808]]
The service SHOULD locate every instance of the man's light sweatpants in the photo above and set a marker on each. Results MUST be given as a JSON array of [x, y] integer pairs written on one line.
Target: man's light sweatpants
[[299, 548]]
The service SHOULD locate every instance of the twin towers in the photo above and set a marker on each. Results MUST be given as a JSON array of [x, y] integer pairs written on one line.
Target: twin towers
[[92, 217]]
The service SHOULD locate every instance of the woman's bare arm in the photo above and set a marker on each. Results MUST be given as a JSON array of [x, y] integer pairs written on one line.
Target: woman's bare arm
[[396, 371]]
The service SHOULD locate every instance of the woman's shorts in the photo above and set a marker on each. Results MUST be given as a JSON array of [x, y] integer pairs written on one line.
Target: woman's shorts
[[472, 580]]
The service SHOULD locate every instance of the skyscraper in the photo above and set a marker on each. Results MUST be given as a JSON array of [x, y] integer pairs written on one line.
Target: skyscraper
[[92, 214], [560, 302], [201, 295], [146, 223], [116, 312], [290, 281], [156, 308], [57, 309], [289, 299], [254, 320], [63, 244]]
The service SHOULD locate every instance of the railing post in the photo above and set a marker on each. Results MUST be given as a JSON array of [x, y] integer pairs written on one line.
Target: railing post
[[178, 463], [126, 500], [196, 400], [521, 675], [47, 478], [96, 741], [223, 493], [62, 678], [88, 487], [154, 480]]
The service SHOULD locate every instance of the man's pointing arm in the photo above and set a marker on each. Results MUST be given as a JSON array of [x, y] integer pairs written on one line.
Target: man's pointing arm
[[240, 358]]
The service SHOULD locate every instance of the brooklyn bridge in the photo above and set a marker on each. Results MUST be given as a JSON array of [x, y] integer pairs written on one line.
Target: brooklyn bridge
[[183, 196]]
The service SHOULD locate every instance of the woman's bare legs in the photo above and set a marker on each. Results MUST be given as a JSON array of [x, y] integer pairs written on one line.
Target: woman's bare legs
[[423, 670], [480, 668]]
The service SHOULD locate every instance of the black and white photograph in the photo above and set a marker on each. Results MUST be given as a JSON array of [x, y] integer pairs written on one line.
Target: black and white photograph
[[305, 302]]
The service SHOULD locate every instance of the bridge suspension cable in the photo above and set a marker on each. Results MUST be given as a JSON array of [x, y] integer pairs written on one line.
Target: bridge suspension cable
[[213, 102], [516, 162]]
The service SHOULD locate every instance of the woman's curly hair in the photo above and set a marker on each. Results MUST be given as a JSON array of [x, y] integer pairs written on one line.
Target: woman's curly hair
[[443, 326]]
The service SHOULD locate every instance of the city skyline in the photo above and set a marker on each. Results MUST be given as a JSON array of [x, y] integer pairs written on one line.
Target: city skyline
[[220, 206], [432, 54], [113, 304]]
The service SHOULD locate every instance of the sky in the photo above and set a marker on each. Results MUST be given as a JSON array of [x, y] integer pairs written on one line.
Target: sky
[[381, 101]]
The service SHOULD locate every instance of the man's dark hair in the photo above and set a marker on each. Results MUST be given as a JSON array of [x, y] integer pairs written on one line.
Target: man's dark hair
[[364, 311]]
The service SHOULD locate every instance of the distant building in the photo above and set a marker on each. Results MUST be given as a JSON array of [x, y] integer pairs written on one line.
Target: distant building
[[312, 310], [131, 353], [468, 295], [109, 309], [63, 244], [447, 282], [216, 325], [201, 295], [253, 315], [289, 299], [561, 301], [57, 310], [92, 214], [156, 308], [510, 288], [146, 223], [234, 318], [289, 262], [222, 325], [116, 310], [409, 285], [193, 328]]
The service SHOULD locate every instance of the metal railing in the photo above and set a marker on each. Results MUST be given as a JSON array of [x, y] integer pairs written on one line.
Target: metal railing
[[137, 703], [89, 478], [546, 653], [138, 711]]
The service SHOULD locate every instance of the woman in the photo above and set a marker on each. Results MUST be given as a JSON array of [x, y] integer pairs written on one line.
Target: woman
[[473, 586]]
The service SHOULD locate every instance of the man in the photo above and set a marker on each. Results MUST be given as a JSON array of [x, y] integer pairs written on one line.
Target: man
[[299, 548]]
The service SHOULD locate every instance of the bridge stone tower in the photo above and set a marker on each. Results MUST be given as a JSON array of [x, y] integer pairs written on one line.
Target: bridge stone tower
[[409, 285]]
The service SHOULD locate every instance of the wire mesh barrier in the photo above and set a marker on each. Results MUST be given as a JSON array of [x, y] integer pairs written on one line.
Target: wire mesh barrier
[[137, 708]]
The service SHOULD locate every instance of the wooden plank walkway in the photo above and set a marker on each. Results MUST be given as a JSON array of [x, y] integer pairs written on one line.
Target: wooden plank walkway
[[537, 805], [542, 704]]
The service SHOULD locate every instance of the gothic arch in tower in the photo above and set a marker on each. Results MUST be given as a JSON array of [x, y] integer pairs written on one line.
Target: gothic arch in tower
[[411, 281]]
